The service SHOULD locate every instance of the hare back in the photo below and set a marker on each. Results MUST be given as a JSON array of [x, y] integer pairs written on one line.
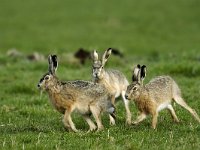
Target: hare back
[[86, 88], [85, 91], [160, 89]]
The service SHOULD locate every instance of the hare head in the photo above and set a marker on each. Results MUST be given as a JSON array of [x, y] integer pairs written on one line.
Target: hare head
[[49, 78], [133, 90], [98, 64]]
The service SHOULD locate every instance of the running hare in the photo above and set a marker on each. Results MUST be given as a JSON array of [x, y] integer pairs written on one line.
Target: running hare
[[113, 80], [85, 97], [155, 96]]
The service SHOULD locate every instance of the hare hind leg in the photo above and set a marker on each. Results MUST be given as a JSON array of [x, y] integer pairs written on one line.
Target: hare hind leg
[[140, 118], [181, 102], [90, 122], [112, 119], [172, 112]]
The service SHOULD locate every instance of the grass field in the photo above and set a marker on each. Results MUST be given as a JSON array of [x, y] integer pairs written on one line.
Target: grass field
[[163, 35]]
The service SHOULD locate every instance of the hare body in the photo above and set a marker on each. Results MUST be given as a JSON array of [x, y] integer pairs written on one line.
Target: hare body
[[115, 81], [155, 96], [85, 97]]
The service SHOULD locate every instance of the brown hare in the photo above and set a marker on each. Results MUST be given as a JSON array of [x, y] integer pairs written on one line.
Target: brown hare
[[155, 96], [85, 97], [113, 80]]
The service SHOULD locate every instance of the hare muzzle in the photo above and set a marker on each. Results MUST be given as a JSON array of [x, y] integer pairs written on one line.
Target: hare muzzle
[[126, 96]]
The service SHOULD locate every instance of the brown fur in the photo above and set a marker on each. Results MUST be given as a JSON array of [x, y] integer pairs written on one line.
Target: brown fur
[[85, 97], [155, 96]]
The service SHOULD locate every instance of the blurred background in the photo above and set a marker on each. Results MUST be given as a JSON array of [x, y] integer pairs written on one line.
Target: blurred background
[[164, 35], [131, 25]]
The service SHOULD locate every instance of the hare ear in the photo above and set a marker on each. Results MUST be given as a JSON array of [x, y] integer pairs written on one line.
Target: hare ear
[[136, 73], [143, 72], [106, 55], [50, 63], [53, 64], [95, 56]]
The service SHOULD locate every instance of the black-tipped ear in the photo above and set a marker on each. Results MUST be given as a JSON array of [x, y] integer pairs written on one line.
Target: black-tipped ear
[[134, 78], [143, 72], [109, 51], [136, 73], [50, 63], [53, 64], [106, 55]]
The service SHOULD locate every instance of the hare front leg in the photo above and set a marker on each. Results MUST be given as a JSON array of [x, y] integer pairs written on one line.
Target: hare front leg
[[154, 119], [67, 120], [90, 122], [112, 120], [97, 116], [128, 113], [140, 118]]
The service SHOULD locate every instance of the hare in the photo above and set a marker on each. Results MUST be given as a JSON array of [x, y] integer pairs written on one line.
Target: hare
[[155, 96], [113, 80], [85, 97]]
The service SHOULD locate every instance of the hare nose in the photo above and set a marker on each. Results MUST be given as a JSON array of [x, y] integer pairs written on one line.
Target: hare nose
[[95, 75]]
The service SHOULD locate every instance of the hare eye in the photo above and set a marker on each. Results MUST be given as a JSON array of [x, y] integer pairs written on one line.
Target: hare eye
[[46, 78], [135, 88]]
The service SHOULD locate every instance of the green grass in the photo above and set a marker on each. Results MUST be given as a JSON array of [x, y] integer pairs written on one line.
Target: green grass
[[164, 35]]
